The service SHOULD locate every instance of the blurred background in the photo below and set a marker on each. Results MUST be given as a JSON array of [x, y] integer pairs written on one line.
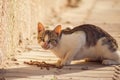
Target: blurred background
[[19, 18]]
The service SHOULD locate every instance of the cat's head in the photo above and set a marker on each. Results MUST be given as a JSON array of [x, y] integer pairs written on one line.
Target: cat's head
[[48, 39]]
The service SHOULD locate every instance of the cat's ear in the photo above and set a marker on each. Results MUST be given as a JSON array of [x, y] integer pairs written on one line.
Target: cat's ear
[[57, 29], [40, 27]]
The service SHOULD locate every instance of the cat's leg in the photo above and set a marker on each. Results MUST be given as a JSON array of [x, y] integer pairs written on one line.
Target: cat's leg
[[64, 61], [58, 64], [93, 60], [108, 52], [69, 57], [112, 59]]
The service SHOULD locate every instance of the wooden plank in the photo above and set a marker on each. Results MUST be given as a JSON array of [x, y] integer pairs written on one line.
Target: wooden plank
[[37, 73], [58, 78], [59, 72], [69, 68]]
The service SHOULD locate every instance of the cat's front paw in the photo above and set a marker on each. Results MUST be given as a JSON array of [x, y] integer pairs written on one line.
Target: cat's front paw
[[58, 64]]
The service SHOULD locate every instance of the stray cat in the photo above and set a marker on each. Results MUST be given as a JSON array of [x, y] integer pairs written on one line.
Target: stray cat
[[84, 41]]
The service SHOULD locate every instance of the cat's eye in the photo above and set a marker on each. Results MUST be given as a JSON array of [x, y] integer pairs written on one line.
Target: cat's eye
[[42, 39], [52, 40]]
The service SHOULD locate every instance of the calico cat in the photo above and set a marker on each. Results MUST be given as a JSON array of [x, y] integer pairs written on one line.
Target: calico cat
[[84, 41]]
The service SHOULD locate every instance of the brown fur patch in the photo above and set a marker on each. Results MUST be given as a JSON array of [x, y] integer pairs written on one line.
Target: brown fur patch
[[93, 34]]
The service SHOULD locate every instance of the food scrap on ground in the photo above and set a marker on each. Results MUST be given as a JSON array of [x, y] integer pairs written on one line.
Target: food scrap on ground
[[42, 64]]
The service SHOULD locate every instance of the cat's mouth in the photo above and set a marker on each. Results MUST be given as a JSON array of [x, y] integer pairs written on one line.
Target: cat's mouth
[[46, 46]]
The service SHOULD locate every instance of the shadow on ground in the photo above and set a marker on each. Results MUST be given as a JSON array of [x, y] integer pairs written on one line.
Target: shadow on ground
[[23, 72]]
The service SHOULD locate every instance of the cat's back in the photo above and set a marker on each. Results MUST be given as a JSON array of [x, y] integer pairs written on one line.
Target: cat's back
[[93, 34]]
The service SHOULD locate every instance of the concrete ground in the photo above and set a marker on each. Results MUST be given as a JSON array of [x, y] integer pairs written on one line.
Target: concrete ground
[[103, 13]]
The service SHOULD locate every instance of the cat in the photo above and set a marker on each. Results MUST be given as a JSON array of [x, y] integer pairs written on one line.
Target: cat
[[84, 41]]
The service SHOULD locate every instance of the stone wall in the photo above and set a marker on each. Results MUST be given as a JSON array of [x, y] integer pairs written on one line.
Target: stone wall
[[19, 18], [5, 28]]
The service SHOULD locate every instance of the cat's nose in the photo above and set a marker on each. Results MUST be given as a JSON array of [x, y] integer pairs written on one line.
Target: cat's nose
[[45, 45]]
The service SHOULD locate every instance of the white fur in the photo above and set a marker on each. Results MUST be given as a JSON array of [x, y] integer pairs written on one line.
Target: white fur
[[72, 47]]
